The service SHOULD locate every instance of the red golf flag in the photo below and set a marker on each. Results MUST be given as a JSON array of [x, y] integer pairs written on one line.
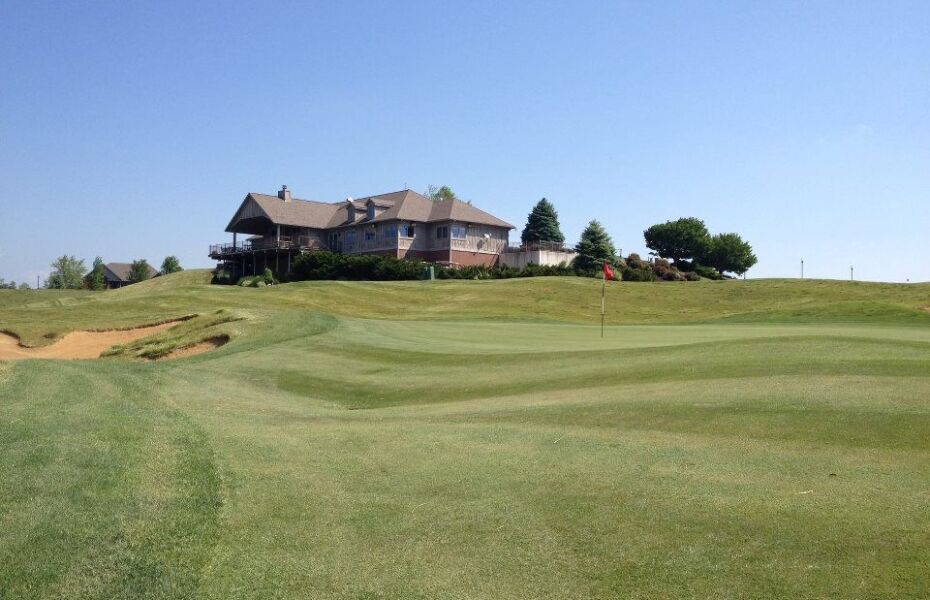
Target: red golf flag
[[608, 274]]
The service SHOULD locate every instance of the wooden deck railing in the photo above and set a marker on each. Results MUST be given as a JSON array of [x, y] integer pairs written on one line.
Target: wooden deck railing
[[284, 243]]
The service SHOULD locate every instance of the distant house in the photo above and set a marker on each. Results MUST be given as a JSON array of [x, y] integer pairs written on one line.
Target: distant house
[[117, 274], [402, 224]]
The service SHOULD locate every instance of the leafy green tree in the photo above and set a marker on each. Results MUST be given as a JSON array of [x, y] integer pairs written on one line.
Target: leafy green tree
[[139, 271], [67, 274], [24, 286], [7, 285], [440, 193], [727, 252], [95, 280], [542, 225], [678, 240], [171, 264], [594, 249]]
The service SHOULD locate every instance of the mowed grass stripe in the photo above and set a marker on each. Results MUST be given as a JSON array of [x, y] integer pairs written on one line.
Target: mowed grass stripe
[[104, 493], [353, 375], [759, 459]]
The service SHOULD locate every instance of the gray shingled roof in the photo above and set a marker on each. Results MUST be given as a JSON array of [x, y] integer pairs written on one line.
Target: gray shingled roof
[[120, 271], [405, 205]]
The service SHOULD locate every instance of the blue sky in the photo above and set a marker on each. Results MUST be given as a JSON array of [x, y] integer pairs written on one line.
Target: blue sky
[[133, 130]]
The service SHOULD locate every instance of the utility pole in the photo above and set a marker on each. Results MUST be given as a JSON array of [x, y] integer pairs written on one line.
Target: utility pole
[[802, 268], [851, 273]]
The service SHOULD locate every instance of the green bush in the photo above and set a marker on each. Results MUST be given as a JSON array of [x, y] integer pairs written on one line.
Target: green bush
[[707, 272], [634, 261], [367, 267], [641, 274], [692, 276], [222, 277]]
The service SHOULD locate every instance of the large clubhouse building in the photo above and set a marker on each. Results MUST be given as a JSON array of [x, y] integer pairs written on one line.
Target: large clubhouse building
[[269, 230]]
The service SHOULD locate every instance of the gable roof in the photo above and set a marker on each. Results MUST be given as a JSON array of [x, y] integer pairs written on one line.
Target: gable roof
[[120, 271], [298, 213], [405, 205]]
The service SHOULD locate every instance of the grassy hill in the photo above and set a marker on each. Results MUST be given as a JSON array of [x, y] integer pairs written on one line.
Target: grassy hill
[[473, 439]]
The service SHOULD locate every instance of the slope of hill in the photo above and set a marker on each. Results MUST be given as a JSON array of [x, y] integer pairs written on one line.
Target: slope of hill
[[474, 440]]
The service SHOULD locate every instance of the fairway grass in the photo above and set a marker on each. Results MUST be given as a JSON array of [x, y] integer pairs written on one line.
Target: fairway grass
[[766, 439]]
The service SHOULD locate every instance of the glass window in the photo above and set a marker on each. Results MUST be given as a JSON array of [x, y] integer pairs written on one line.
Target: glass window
[[350, 237], [371, 211], [408, 230], [442, 232], [390, 231], [458, 232], [369, 235]]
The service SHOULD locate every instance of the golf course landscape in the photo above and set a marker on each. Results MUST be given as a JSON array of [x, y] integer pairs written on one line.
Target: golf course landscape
[[469, 439]]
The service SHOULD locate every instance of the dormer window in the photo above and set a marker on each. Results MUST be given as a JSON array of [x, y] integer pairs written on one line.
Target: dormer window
[[371, 210]]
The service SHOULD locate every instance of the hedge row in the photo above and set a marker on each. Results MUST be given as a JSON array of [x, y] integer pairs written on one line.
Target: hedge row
[[323, 265]]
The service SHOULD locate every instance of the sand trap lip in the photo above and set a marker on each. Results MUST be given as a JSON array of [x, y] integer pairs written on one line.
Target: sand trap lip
[[77, 344], [199, 348]]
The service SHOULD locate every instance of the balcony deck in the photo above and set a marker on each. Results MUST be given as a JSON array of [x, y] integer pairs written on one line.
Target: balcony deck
[[223, 251]]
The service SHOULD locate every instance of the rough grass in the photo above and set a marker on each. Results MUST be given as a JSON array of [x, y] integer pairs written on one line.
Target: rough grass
[[475, 440], [187, 333]]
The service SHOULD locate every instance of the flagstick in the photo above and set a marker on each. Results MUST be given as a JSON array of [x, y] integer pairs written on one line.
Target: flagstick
[[603, 289]]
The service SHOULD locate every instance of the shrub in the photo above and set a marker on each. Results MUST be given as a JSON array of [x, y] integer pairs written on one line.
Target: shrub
[[634, 261], [692, 276], [707, 272], [329, 265], [641, 274], [222, 277], [671, 275]]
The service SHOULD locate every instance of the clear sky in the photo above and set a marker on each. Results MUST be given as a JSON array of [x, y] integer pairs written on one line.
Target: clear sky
[[131, 129]]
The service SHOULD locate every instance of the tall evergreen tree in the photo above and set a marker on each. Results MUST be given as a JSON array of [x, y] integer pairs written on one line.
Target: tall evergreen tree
[[542, 225], [594, 249], [95, 280]]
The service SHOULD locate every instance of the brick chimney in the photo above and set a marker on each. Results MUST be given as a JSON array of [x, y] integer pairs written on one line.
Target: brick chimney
[[285, 194]]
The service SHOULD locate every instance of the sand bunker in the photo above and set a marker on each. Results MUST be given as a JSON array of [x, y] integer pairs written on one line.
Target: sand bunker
[[77, 344], [198, 348]]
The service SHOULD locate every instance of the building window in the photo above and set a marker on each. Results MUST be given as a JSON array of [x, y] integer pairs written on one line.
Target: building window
[[442, 232], [350, 237], [371, 210], [458, 232], [408, 231], [390, 232], [369, 235]]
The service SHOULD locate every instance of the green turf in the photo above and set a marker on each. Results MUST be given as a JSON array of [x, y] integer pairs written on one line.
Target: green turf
[[758, 439]]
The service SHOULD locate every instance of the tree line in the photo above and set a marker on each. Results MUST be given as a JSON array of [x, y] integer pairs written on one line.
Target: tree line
[[686, 242], [70, 273]]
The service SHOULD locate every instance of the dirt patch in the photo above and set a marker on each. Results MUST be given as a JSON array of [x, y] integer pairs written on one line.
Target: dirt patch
[[198, 348], [77, 344]]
